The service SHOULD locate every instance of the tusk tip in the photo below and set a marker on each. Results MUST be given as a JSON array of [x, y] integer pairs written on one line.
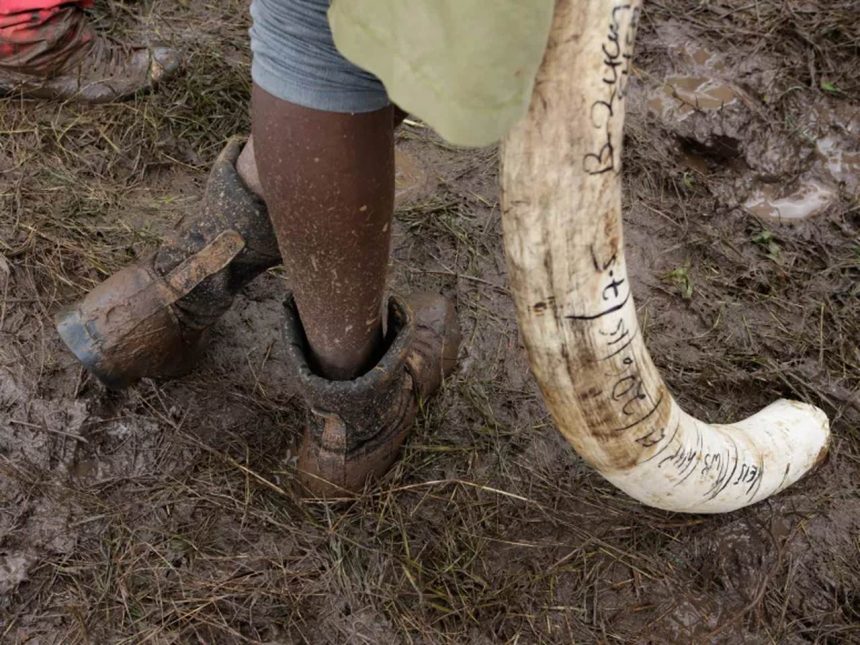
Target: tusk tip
[[811, 426]]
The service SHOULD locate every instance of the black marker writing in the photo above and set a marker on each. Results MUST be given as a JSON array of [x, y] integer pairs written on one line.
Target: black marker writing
[[616, 71]]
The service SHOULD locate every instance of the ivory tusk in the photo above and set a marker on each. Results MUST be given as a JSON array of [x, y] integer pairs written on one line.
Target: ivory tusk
[[563, 238]]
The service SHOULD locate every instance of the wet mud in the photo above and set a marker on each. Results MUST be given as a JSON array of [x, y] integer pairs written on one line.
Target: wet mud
[[164, 513], [718, 107]]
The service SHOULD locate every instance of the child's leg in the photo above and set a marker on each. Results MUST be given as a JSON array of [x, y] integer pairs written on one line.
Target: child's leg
[[324, 145], [328, 180], [323, 139]]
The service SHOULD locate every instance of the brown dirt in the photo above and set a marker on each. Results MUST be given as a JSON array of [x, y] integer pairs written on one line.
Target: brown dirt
[[163, 514]]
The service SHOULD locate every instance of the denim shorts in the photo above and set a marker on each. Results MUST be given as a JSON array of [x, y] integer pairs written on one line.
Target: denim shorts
[[295, 59]]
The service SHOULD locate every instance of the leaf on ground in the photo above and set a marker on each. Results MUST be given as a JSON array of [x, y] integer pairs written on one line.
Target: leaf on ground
[[827, 86], [767, 241], [680, 277]]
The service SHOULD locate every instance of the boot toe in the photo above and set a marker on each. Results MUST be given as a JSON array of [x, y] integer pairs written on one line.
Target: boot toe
[[125, 329], [80, 342]]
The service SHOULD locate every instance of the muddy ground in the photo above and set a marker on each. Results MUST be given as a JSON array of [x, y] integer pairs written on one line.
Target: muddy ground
[[163, 514]]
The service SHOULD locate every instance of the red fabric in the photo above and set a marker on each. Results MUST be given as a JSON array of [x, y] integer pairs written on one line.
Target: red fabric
[[36, 35], [8, 7]]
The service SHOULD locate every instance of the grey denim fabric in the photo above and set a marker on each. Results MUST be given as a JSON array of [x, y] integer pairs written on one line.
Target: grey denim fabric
[[295, 59]]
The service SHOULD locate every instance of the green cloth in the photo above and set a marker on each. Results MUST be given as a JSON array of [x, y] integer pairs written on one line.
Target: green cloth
[[466, 67]]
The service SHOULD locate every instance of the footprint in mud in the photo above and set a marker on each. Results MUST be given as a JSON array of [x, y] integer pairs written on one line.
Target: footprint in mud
[[785, 171]]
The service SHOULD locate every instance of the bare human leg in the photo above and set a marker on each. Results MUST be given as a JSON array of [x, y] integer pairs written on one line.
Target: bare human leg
[[246, 165], [328, 180]]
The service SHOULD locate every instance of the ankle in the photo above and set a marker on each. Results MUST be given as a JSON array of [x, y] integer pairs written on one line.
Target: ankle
[[336, 363], [246, 167]]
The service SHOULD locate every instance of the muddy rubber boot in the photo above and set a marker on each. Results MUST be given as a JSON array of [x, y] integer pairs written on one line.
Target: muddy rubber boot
[[150, 319], [66, 60], [355, 428]]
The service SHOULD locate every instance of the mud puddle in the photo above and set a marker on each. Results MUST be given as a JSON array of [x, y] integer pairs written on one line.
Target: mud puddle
[[682, 96], [780, 172], [809, 199]]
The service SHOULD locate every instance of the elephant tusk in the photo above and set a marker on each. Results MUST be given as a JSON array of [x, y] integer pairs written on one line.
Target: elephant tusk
[[563, 239]]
